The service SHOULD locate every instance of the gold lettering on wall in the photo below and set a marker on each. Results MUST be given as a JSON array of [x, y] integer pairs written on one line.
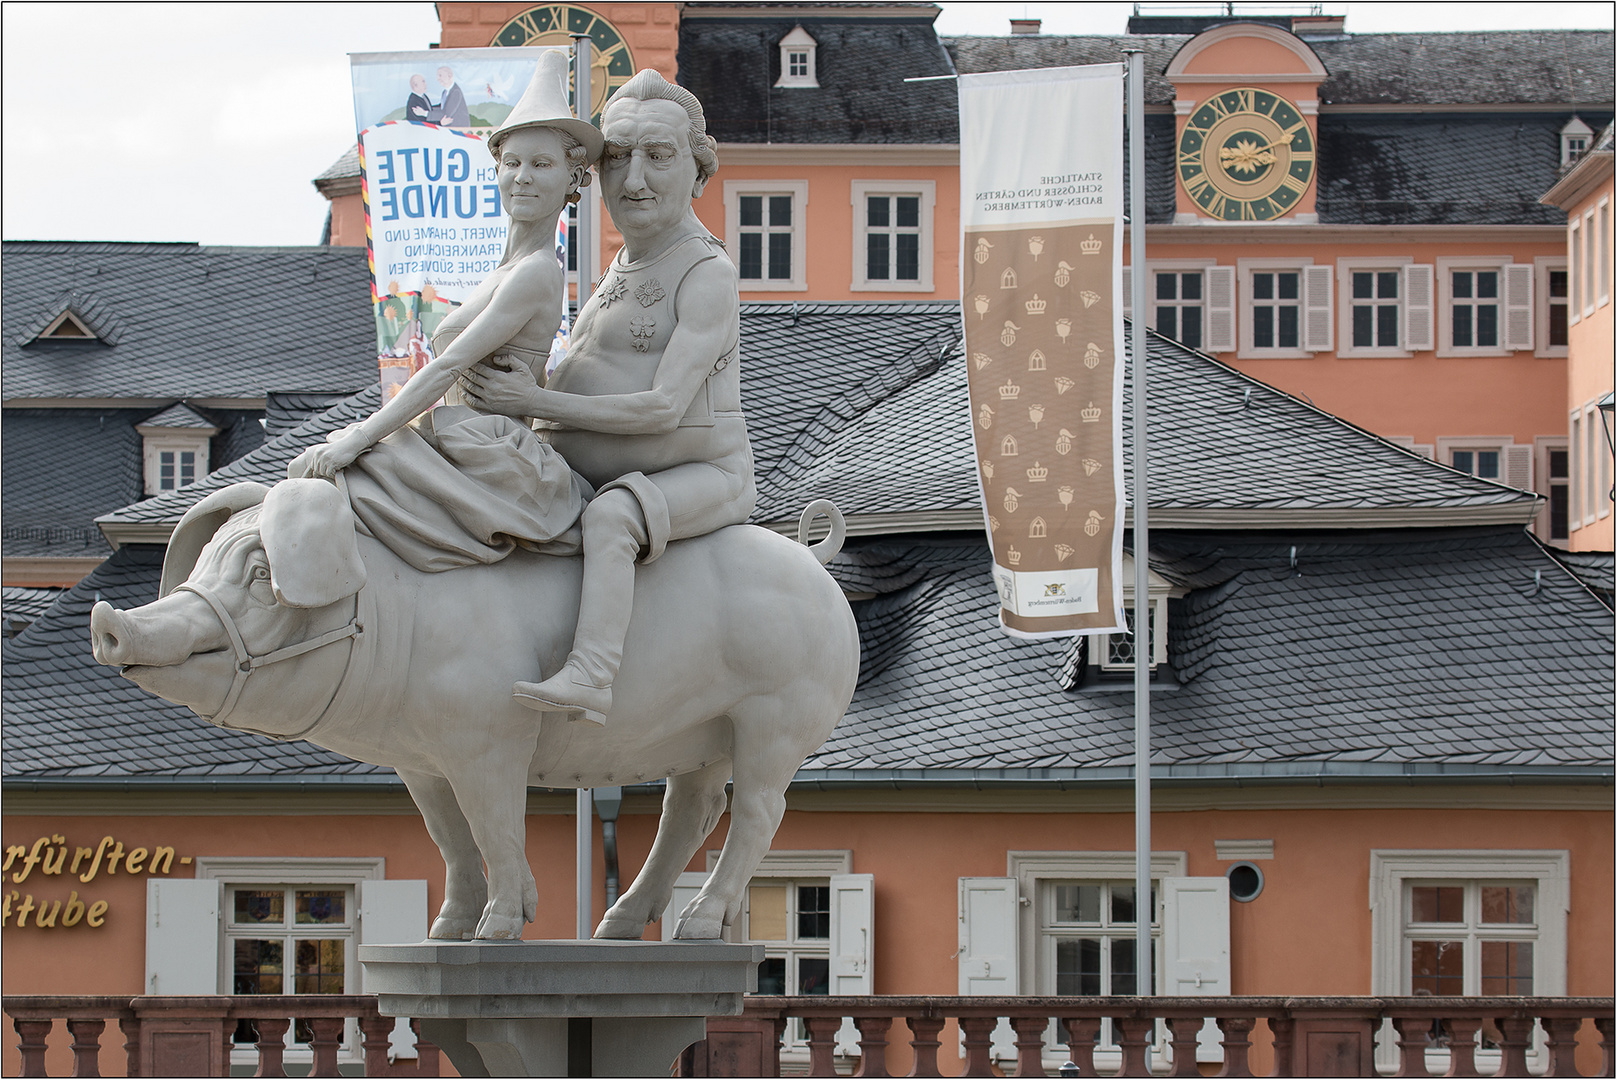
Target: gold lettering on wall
[[48, 855]]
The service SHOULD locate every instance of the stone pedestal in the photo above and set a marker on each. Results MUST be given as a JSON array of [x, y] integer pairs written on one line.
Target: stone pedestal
[[561, 1008]]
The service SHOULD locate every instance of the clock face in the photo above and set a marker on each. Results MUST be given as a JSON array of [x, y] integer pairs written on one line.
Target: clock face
[[552, 26], [1246, 155]]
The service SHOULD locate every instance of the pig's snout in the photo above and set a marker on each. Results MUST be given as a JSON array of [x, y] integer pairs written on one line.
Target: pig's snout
[[109, 634]]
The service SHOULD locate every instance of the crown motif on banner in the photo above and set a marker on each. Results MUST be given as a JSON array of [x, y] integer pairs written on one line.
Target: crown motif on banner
[[1090, 246], [1036, 306], [1009, 391], [1089, 414], [1038, 474], [1013, 557]]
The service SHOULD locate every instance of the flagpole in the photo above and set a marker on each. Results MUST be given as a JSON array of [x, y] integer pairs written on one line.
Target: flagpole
[[586, 243], [1142, 602]]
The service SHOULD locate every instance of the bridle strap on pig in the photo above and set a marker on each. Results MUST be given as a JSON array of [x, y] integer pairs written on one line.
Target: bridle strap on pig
[[247, 663]]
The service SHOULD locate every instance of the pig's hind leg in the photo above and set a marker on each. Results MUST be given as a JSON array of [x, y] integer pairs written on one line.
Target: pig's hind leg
[[465, 889]]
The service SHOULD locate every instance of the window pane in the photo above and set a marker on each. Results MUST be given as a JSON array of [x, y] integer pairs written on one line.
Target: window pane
[[1287, 335], [1387, 285], [1078, 967], [780, 256], [188, 467], [1167, 286], [1362, 285], [1190, 331], [1488, 464], [256, 907], [780, 210], [1465, 461], [1439, 903], [1558, 465], [1263, 327], [1122, 904], [766, 913], [1507, 968], [772, 976], [1558, 318], [752, 256], [319, 906], [876, 210], [1361, 325], [1437, 967], [1191, 286], [813, 911], [1123, 976], [1078, 903], [1487, 324], [1387, 326], [909, 212], [320, 966], [1462, 324], [1558, 283], [1462, 284], [1560, 512], [876, 256], [1263, 286], [1487, 284], [909, 257], [1288, 285], [752, 210], [813, 975], [1507, 903], [1168, 322], [258, 967]]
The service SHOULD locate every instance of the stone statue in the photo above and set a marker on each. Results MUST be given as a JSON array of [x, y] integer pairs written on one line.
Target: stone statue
[[387, 615]]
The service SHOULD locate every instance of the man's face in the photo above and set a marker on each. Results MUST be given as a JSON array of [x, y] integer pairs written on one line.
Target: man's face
[[417, 83], [446, 78], [648, 175]]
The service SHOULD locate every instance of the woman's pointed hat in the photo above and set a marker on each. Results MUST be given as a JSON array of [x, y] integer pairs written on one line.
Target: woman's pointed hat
[[544, 104]]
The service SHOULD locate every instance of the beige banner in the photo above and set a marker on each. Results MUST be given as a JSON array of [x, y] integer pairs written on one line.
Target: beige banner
[[1043, 374]]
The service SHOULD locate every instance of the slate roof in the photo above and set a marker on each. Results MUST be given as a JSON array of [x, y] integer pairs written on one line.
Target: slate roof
[[866, 404], [179, 417], [1594, 568], [22, 604], [51, 497], [305, 311]]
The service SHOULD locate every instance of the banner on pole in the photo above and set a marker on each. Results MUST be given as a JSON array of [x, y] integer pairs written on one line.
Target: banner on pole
[[1041, 214]]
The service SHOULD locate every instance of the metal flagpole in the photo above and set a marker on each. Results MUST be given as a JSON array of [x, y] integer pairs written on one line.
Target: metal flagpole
[[1142, 602], [585, 242]]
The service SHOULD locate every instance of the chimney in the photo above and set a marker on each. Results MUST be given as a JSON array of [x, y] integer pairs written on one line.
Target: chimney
[[1024, 26]]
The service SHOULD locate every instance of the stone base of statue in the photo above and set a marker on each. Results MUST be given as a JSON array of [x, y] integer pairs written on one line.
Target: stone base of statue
[[561, 1008]]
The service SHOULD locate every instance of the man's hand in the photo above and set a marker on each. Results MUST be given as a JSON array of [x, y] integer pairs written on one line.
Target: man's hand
[[502, 384], [326, 460]]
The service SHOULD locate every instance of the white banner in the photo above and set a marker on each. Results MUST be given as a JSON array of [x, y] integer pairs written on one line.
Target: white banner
[[1042, 200]]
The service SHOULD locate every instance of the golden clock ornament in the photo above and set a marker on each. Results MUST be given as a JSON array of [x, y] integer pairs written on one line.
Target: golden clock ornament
[[553, 26], [1246, 155]]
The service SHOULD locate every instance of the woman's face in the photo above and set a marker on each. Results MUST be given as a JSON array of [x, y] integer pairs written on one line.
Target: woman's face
[[535, 178]]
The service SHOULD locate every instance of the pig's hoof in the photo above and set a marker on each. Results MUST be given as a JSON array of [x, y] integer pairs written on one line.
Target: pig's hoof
[[448, 929], [699, 928], [499, 928], [619, 925]]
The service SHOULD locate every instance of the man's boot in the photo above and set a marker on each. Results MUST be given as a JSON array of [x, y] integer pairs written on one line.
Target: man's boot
[[614, 533]]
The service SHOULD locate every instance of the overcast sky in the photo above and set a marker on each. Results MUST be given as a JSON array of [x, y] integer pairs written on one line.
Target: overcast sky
[[206, 122]]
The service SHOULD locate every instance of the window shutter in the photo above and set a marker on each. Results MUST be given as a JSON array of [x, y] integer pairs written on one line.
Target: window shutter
[[1196, 946], [1519, 467], [686, 886], [1220, 335], [1519, 306], [182, 935], [852, 930], [1418, 308], [988, 910], [394, 913], [1317, 309]]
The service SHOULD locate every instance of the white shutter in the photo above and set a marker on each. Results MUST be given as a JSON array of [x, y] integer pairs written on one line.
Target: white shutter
[[686, 886], [1220, 336], [988, 911], [394, 913], [1418, 308], [852, 931], [1519, 467], [182, 935], [1196, 946], [1317, 309], [1519, 306]]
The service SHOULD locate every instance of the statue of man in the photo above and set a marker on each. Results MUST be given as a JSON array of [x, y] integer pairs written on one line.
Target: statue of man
[[647, 404]]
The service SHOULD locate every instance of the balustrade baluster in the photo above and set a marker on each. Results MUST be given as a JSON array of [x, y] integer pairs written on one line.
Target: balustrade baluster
[[1184, 1031], [1134, 1037], [1608, 1056], [1517, 1032], [1412, 1035], [327, 1037], [86, 1046], [31, 1036], [1561, 1042], [130, 1026], [1029, 1044], [427, 1053], [1462, 1045], [374, 1030], [924, 1043], [1081, 1033], [271, 1044], [872, 1044], [822, 1040], [977, 1035], [1237, 1043]]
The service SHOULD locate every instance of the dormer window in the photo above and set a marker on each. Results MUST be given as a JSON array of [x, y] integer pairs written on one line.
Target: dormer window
[[1575, 139], [176, 449], [797, 66], [1114, 653], [66, 327]]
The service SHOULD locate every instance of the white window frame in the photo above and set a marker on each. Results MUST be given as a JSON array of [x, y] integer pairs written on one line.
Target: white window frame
[[1575, 285], [1504, 444], [801, 42], [1543, 266], [798, 190], [1591, 270], [174, 441], [1390, 869], [1446, 266], [1602, 241], [927, 192], [1245, 268], [1345, 269], [1157, 591], [1590, 465], [1177, 266], [1576, 138]]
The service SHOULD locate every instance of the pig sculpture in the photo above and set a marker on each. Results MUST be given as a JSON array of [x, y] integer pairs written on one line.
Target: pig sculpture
[[275, 615]]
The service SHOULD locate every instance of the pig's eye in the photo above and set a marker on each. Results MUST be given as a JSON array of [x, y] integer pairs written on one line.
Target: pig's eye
[[260, 573]]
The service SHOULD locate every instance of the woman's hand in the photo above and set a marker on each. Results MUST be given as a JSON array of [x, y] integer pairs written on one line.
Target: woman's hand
[[326, 460], [502, 384]]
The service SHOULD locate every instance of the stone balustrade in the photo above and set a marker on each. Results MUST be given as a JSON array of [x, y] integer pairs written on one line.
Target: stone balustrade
[[194, 1036]]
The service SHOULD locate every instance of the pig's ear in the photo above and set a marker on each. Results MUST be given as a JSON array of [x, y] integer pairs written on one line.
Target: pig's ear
[[197, 527], [308, 533]]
